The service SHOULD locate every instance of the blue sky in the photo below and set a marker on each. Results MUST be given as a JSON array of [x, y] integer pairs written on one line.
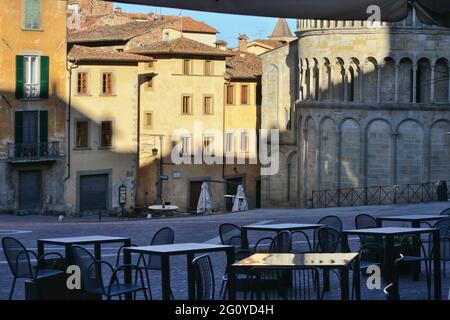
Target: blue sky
[[230, 26]]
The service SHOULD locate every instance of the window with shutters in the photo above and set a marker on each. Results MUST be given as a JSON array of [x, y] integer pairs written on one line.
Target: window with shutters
[[208, 108], [31, 15], [107, 134], [82, 134], [32, 77], [31, 134], [230, 94], [187, 67], [208, 146], [208, 68], [186, 108], [244, 94], [149, 83], [82, 86], [185, 145], [107, 83], [245, 142], [229, 142], [148, 120]]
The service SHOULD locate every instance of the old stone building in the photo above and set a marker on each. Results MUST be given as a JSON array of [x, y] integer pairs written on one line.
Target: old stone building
[[373, 105], [32, 105]]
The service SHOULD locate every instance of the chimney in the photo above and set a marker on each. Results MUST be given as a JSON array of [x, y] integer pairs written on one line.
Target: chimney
[[221, 44], [242, 42]]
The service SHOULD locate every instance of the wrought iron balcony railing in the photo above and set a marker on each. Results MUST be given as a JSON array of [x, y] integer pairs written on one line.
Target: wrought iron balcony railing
[[34, 151], [31, 91]]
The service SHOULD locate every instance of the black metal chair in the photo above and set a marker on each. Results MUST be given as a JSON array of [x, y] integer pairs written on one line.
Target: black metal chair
[[263, 245], [405, 249], [241, 278], [19, 262], [301, 242], [390, 289], [204, 278], [163, 236], [281, 243], [92, 276], [446, 212], [298, 283], [230, 234], [329, 221], [444, 232]]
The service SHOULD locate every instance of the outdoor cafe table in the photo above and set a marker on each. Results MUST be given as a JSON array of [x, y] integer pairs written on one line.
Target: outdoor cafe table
[[389, 261], [276, 228], [187, 249], [415, 219], [68, 242], [340, 261]]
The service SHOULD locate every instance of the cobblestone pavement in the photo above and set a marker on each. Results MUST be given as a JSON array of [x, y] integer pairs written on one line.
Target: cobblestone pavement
[[201, 229]]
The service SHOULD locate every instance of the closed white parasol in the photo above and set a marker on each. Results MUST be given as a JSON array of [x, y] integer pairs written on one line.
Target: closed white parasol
[[204, 205], [240, 200]]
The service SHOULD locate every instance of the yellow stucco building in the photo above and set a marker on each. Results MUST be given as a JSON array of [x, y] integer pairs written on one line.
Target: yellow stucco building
[[32, 105]]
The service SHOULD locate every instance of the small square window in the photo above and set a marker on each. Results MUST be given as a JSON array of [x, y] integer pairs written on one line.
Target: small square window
[[230, 94], [244, 94], [82, 85], [107, 83], [148, 120], [187, 105], [208, 68], [82, 134], [187, 67], [208, 108], [106, 134]]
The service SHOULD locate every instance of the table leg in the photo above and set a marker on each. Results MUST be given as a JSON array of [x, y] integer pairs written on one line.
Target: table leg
[[379, 223], [231, 278], [165, 275], [191, 276], [357, 279], [244, 236], [127, 273], [416, 251], [437, 265], [68, 253], [389, 262], [98, 251], [344, 283], [40, 248]]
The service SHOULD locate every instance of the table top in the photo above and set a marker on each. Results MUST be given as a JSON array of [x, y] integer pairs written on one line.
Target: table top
[[84, 240], [387, 231], [412, 217], [282, 226], [280, 260], [179, 248], [166, 208]]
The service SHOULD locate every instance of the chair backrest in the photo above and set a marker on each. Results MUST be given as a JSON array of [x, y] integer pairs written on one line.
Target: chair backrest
[[163, 236], [204, 278], [365, 221], [91, 275], [331, 221], [299, 283], [301, 242], [18, 258], [331, 240], [230, 234], [444, 226], [282, 243], [407, 243], [446, 212]]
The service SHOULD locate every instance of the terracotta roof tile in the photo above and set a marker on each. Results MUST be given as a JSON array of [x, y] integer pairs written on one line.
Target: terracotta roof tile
[[177, 46], [188, 24], [82, 53], [269, 43], [244, 65]]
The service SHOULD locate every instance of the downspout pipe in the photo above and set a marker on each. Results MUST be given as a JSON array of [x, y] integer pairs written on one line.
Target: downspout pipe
[[69, 113]]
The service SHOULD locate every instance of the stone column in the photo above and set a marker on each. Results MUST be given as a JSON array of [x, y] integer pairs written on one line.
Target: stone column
[[378, 83], [319, 81], [346, 77], [433, 72], [396, 82], [414, 86], [361, 84]]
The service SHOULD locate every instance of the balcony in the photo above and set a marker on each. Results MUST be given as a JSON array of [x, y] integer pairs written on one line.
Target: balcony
[[31, 91], [35, 152]]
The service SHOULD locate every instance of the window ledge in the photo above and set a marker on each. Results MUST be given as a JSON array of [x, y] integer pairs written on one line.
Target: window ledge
[[82, 149], [32, 99], [82, 95], [106, 148], [35, 30], [107, 95]]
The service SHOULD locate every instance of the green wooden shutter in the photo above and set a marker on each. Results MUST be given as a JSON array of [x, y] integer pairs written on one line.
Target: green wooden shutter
[[43, 126], [45, 65], [19, 127], [20, 73]]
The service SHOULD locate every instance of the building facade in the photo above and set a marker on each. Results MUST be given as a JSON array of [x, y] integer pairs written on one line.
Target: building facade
[[373, 107], [32, 105]]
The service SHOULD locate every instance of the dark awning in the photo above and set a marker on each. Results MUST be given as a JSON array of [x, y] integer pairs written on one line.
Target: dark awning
[[429, 11]]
